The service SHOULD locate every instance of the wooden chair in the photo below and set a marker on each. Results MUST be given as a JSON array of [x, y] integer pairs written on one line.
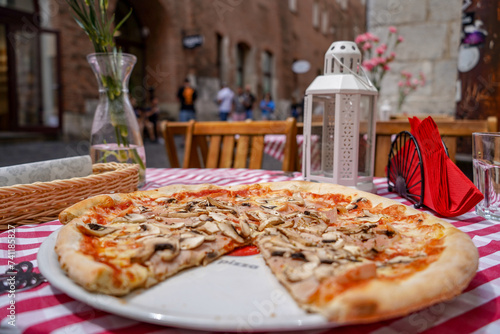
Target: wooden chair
[[169, 130], [236, 144], [449, 130]]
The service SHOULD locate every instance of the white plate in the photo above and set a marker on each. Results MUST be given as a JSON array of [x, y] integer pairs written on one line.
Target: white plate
[[231, 294]]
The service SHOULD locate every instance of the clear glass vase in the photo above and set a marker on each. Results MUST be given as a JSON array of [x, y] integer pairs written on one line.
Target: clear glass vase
[[115, 135]]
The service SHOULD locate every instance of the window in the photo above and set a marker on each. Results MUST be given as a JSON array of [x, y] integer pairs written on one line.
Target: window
[[131, 39], [324, 22], [218, 57], [242, 57], [315, 15], [29, 70], [267, 72]]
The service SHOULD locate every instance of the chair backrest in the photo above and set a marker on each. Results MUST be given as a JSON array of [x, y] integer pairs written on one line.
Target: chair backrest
[[449, 130], [169, 130], [236, 144]]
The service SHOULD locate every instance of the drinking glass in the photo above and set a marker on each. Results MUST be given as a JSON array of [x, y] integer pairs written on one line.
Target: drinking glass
[[486, 166]]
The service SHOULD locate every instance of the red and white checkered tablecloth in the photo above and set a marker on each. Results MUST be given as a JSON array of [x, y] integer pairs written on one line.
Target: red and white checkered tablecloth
[[274, 145], [46, 309]]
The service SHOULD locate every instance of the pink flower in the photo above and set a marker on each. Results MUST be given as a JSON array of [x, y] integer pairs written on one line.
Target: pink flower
[[401, 84], [406, 74], [371, 37], [393, 29], [367, 46], [422, 78], [416, 82], [386, 67], [381, 49], [400, 39], [369, 65], [360, 39]]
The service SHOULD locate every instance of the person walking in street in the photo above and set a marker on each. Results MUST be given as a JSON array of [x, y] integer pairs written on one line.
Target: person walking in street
[[225, 101], [267, 107], [240, 106], [187, 96], [249, 101]]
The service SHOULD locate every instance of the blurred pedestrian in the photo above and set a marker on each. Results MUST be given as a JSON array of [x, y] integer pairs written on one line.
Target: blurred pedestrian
[[267, 107], [150, 117], [249, 101], [187, 96], [240, 110], [225, 101]]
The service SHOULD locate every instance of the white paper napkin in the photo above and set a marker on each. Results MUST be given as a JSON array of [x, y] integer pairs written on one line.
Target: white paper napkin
[[44, 171]]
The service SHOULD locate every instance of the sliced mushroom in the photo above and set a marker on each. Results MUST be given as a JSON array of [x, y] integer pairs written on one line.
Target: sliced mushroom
[[219, 204], [228, 230], [330, 237], [165, 200], [175, 226], [130, 218], [169, 248], [191, 242], [94, 229], [300, 273], [209, 227], [149, 229], [217, 216], [354, 250], [245, 230], [305, 239], [323, 271], [181, 214]]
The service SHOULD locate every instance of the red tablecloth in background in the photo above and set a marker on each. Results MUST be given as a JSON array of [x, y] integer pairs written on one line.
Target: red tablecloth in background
[[45, 309]]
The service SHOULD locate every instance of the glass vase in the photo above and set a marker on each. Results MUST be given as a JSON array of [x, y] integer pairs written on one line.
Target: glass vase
[[115, 135]]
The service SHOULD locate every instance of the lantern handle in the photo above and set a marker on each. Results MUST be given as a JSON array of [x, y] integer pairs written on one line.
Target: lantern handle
[[367, 83]]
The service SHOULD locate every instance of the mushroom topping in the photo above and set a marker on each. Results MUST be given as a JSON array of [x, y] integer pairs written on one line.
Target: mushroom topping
[[94, 229], [217, 216], [330, 237], [299, 273], [228, 230], [165, 200], [134, 218], [323, 271], [175, 226], [209, 227], [219, 204], [191, 241], [168, 248], [354, 250], [305, 239], [245, 230], [150, 228], [180, 214], [400, 259]]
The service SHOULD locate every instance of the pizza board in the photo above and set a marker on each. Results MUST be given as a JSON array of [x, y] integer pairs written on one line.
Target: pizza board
[[234, 293]]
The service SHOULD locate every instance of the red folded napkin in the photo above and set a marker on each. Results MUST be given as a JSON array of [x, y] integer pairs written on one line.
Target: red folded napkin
[[447, 190]]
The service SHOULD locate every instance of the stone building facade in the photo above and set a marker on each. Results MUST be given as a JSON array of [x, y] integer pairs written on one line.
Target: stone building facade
[[239, 42], [431, 32]]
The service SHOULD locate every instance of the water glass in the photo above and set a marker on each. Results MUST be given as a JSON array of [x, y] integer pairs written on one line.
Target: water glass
[[486, 165]]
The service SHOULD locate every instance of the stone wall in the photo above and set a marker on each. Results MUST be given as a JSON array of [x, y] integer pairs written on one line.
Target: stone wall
[[431, 32]]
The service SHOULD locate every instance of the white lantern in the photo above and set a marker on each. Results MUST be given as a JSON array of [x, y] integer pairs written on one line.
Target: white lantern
[[339, 122]]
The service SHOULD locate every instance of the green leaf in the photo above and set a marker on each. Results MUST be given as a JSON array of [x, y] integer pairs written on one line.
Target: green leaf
[[122, 21]]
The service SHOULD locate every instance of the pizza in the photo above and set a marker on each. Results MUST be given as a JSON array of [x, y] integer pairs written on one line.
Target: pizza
[[351, 256]]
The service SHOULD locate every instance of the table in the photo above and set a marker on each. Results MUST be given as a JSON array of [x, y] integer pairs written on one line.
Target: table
[[46, 309]]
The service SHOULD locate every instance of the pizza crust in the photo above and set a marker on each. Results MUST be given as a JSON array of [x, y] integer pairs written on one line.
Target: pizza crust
[[93, 275]]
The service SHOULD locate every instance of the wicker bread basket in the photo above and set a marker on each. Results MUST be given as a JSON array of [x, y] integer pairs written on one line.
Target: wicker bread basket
[[43, 201]]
